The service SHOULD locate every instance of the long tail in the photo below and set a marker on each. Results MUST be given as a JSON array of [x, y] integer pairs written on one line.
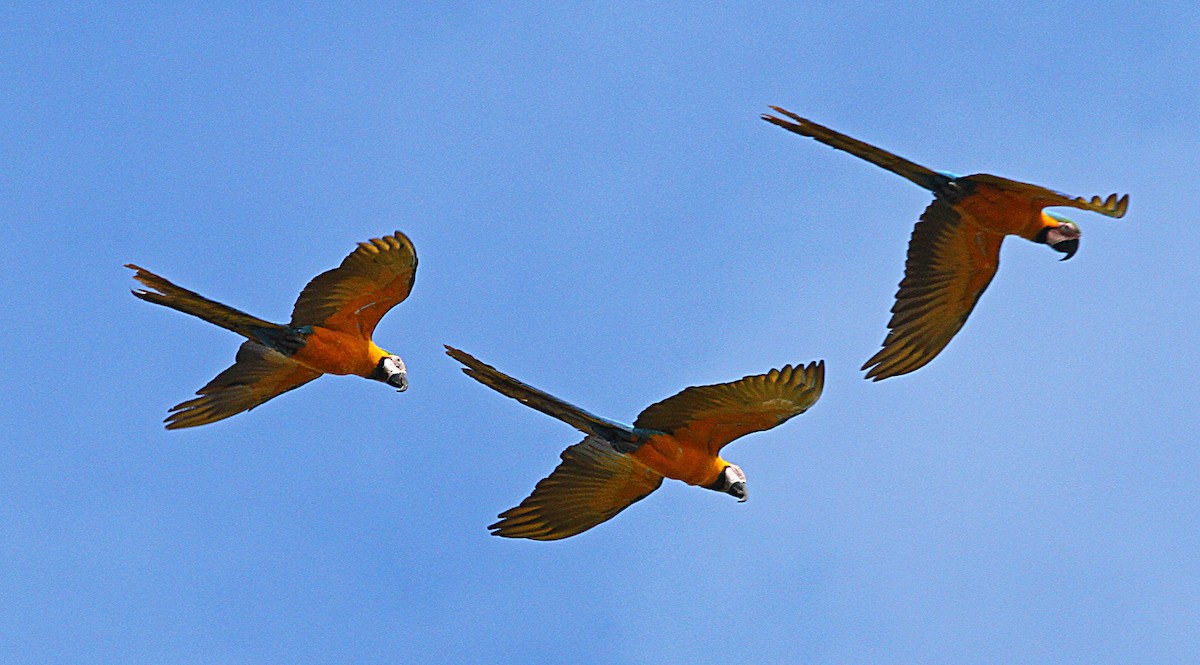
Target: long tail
[[162, 292], [620, 436], [927, 178]]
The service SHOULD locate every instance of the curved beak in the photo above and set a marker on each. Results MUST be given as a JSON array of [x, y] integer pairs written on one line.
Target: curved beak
[[738, 490], [399, 381], [391, 371], [1063, 238], [1068, 247]]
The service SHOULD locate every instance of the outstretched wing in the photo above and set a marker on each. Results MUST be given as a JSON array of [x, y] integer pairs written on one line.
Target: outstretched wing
[[352, 297], [720, 413], [927, 178], [256, 376], [1111, 206], [951, 261], [592, 484]]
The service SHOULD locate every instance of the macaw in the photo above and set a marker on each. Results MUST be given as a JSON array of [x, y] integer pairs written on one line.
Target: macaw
[[330, 331], [955, 247], [680, 437]]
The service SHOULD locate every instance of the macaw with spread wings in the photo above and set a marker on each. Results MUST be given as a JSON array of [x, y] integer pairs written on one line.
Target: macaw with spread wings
[[955, 247], [680, 437], [330, 331]]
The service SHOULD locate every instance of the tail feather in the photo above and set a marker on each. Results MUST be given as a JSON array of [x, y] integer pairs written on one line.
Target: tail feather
[[160, 291], [619, 436], [927, 178]]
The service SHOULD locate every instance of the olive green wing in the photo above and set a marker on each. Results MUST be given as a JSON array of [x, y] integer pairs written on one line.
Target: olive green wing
[[257, 375], [591, 485], [354, 296], [1112, 206], [951, 261], [716, 415]]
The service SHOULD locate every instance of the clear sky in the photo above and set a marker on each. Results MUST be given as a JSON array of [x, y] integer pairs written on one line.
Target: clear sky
[[599, 211]]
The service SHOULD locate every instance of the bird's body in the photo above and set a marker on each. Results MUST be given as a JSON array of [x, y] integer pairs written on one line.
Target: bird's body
[[679, 438], [955, 247], [1002, 213], [334, 352], [681, 458], [330, 331]]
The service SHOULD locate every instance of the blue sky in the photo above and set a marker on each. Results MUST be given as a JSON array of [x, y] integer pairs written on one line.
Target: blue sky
[[599, 211]]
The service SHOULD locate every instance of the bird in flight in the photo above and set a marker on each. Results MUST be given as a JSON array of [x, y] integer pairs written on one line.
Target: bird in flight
[[955, 247], [330, 331], [616, 465]]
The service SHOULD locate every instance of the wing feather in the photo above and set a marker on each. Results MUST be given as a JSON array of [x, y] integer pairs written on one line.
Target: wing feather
[[591, 485], [951, 261], [718, 414], [1112, 206], [257, 375], [354, 296]]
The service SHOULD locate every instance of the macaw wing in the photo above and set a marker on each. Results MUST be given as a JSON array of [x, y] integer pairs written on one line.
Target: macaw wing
[[718, 414], [925, 177], [256, 376], [1111, 206], [352, 297], [592, 484], [951, 261]]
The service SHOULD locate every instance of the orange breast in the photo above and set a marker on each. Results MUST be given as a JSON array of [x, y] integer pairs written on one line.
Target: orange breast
[[1006, 213], [335, 352], [676, 459]]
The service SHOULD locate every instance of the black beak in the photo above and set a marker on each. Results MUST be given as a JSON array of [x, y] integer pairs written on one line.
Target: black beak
[[399, 381], [737, 490], [1068, 247]]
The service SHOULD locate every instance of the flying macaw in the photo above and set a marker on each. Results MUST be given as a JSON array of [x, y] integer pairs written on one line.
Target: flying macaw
[[616, 465], [955, 247], [330, 331]]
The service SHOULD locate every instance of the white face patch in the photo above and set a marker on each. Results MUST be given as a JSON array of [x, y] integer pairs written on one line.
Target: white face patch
[[735, 477], [1060, 233], [734, 474], [394, 373], [393, 365]]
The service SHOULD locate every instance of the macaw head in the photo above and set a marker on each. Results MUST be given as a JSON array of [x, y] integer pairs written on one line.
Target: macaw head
[[391, 371], [732, 481], [1060, 233]]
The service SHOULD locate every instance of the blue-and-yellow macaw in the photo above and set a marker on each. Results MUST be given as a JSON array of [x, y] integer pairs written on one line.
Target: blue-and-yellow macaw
[[955, 247], [330, 331], [680, 437]]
